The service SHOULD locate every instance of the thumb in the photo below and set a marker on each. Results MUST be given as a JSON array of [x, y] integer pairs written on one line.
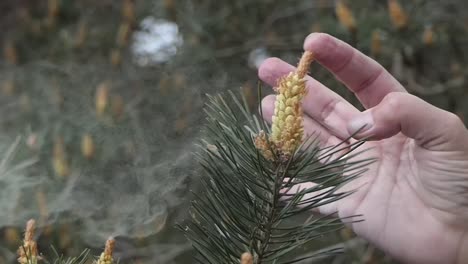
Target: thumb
[[399, 112]]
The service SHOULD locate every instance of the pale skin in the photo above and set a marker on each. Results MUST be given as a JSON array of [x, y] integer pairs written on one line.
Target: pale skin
[[414, 198]]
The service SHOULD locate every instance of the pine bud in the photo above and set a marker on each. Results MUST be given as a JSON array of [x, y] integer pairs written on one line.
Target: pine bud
[[397, 14], [376, 43], [171, 10], [247, 258], [261, 143], [9, 52], [53, 8], [61, 167], [42, 205], [428, 36], [345, 16], [287, 121], [59, 159], [115, 57], [28, 253], [102, 98], [123, 35], [128, 10], [87, 146], [106, 256], [169, 4], [81, 34]]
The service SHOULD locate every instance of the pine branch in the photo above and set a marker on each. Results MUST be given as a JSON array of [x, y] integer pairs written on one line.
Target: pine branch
[[244, 208]]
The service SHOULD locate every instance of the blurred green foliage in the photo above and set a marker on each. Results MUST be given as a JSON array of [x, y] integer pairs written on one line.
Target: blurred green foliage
[[113, 137]]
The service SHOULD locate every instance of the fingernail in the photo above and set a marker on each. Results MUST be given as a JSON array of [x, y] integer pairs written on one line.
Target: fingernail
[[361, 124]]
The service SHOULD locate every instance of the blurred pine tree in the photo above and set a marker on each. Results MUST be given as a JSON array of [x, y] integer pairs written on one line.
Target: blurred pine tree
[[109, 95]]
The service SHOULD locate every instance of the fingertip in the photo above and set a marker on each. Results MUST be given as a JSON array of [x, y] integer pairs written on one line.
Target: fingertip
[[329, 51], [319, 43], [309, 39], [268, 107], [266, 68], [272, 69]]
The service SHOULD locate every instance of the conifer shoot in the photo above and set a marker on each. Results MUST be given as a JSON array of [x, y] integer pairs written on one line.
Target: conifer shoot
[[287, 121]]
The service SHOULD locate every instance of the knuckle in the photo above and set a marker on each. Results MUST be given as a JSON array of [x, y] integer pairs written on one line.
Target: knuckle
[[453, 120], [393, 100]]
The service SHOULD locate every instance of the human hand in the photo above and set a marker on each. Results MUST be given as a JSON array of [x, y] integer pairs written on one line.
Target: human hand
[[414, 198]]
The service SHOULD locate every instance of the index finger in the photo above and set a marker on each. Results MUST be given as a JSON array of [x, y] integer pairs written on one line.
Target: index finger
[[361, 74]]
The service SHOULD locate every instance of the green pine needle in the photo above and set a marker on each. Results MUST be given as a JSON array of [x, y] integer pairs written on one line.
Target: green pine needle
[[81, 259]]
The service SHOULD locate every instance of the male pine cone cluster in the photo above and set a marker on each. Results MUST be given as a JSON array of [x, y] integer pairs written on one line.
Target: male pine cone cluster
[[287, 128], [106, 255], [27, 253], [287, 122]]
